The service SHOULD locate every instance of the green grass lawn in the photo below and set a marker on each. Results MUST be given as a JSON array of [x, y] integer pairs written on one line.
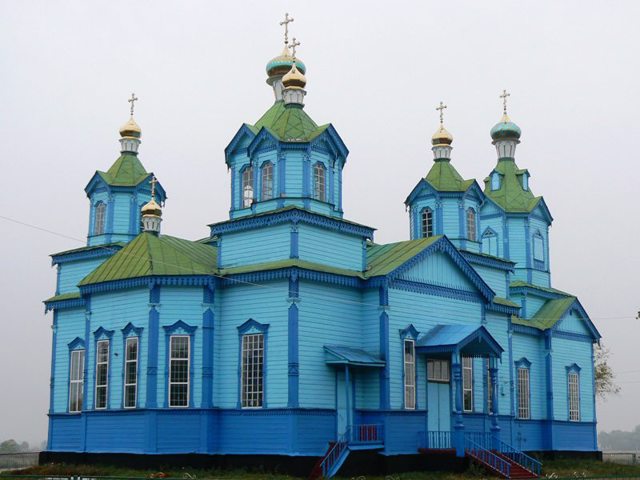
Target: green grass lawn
[[551, 468]]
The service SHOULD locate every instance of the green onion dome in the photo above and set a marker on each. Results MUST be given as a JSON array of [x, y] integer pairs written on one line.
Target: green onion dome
[[281, 64], [505, 129]]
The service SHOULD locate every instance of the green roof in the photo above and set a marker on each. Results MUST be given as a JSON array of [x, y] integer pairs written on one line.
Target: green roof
[[505, 302], [550, 313], [289, 124], [383, 259], [106, 246], [64, 296], [291, 262], [149, 254], [511, 196], [445, 178], [520, 283], [127, 171]]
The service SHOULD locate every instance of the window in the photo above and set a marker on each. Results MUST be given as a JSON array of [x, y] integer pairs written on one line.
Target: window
[[490, 243], [247, 187], [131, 372], [467, 384], [98, 223], [573, 380], [76, 380], [471, 224], [495, 181], [267, 181], [538, 247], [427, 223], [489, 389], [252, 370], [525, 181], [409, 375], [524, 411], [102, 373], [179, 371], [319, 192], [438, 370]]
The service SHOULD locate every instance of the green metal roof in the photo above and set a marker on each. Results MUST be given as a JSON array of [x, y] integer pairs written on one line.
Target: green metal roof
[[511, 196], [64, 296], [550, 313], [383, 259], [127, 171], [520, 283], [445, 178], [106, 246], [504, 301], [290, 262], [289, 124], [148, 255]]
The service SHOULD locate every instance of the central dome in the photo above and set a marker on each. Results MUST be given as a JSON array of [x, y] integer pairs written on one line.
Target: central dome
[[281, 64], [505, 129]]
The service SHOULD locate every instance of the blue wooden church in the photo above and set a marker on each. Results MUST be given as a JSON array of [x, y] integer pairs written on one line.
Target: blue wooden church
[[289, 336]]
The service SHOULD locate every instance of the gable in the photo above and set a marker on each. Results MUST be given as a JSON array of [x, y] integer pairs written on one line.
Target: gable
[[438, 269], [573, 322], [240, 141]]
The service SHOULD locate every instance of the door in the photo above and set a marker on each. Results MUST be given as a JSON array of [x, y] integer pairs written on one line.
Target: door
[[342, 413], [439, 403]]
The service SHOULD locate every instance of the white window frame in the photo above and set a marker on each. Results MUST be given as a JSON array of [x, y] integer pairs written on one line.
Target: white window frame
[[409, 363], [467, 383], [573, 386], [524, 393], [76, 377], [173, 359], [127, 383], [266, 177], [252, 370], [426, 223], [99, 218], [438, 370], [247, 187], [320, 182], [102, 364], [471, 225]]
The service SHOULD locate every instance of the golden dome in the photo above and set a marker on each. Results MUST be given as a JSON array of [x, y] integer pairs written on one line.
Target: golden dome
[[294, 78], [130, 129], [441, 137], [152, 208]]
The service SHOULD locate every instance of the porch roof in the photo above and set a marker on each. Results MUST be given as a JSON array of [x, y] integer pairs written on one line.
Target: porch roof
[[341, 355], [467, 339]]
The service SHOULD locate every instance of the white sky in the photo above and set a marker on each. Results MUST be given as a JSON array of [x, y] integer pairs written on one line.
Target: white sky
[[376, 70]]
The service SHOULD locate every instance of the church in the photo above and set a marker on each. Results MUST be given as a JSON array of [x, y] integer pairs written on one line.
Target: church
[[289, 337]]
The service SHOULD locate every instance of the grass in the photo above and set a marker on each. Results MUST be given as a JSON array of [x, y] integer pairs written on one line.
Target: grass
[[551, 468]]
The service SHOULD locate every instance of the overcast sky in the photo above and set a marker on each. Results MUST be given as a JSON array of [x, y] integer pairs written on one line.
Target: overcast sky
[[376, 70]]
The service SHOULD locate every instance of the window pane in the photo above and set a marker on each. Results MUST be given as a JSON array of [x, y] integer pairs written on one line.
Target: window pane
[[267, 181], [252, 370]]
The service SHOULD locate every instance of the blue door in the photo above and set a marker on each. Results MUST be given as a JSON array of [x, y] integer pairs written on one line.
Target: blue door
[[342, 413], [439, 403]]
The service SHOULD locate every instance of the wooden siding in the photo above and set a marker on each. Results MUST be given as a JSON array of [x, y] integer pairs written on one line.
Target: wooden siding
[[497, 325], [495, 278], [567, 352], [71, 273], [438, 269], [531, 348], [70, 325], [255, 246], [330, 248]]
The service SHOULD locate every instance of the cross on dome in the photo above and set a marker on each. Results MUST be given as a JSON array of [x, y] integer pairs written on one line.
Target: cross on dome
[[504, 100], [153, 182], [441, 109], [294, 44], [287, 20], [132, 101]]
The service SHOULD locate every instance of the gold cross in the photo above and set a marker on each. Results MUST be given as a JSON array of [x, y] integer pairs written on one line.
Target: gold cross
[[131, 101], [153, 182], [287, 20], [504, 100], [294, 44], [441, 108]]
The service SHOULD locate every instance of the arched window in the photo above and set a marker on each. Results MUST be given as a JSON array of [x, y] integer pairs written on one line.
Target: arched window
[[427, 223], [490, 243], [267, 181], [247, 187], [319, 176], [100, 214], [471, 224]]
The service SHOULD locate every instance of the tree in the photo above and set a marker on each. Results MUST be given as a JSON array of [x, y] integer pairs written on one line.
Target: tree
[[605, 378]]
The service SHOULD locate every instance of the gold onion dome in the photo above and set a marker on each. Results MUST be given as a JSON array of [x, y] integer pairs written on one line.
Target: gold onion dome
[[281, 64], [130, 129], [441, 137], [152, 208], [294, 78]]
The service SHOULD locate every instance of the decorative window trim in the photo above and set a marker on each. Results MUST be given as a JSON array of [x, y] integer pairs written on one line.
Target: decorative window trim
[[472, 225], [491, 234], [319, 182], [127, 361], [573, 388], [467, 369], [247, 188], [495, 181], [539, 254], [76, 349], [179, 329], [99, 218], [251, 328], [409, 373], [266, 179], [426, 223], [102, 363], [523, 390]]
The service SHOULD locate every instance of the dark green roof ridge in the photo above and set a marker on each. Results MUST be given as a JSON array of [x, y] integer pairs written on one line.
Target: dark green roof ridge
[[288, 124], [445, 178], [511, 196], [127, 171], [520, 283]]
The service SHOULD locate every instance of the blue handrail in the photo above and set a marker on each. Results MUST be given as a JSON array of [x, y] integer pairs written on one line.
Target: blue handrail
[[367, 433], [487, 457], [519, 457], [438, 440], [334, 453]]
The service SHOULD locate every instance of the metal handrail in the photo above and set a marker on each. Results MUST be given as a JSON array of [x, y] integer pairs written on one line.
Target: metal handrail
[[520, 457], [367, 433], [334, 453], [487, 457]]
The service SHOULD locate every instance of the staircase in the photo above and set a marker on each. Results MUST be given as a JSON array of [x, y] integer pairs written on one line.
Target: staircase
[[506, 462]]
